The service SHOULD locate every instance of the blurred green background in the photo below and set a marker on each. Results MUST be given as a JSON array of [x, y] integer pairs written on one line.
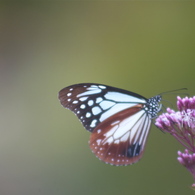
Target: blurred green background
[[144, 47]]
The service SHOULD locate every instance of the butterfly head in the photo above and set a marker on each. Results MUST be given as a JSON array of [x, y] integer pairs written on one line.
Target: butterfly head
[[153, 106]]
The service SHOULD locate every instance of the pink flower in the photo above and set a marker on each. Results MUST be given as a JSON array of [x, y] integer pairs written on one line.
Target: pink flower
[[181, 125]]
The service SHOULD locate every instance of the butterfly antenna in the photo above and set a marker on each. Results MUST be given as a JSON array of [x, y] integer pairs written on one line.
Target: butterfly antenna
[[171, 92]]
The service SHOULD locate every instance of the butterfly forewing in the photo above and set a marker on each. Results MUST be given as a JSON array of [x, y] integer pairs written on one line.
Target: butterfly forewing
[[93, 103], [119, 120]]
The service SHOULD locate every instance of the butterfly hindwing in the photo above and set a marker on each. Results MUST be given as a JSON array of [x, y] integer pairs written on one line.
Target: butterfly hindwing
[[120, 140]]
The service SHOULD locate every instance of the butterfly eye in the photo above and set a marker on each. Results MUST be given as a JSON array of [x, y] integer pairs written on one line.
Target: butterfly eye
[[119, 120]]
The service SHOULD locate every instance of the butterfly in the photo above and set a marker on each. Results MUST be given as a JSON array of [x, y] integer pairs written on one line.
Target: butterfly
[[119, 120]]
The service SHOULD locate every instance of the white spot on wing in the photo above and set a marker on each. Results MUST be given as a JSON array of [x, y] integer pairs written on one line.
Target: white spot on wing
[[75, 101], [82, 106], [90, 102], [125, 137], [99, 99], [99, 131], [137, 130], [69, 94], [92, 87], [91, 92], [111, 132], [106, 104], [142, 130], [116, 141], [93, 123], [109, 140], [88, 114], [82, 98], [102, 86], [120, 97], [145, 131], [96, 110], [98, 141], [114, 123]]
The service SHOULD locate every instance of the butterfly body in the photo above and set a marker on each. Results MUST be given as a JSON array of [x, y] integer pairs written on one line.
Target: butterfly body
[[119, 120]]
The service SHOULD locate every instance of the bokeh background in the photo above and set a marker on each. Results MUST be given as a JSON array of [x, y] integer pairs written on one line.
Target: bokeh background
[[144, 47]]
